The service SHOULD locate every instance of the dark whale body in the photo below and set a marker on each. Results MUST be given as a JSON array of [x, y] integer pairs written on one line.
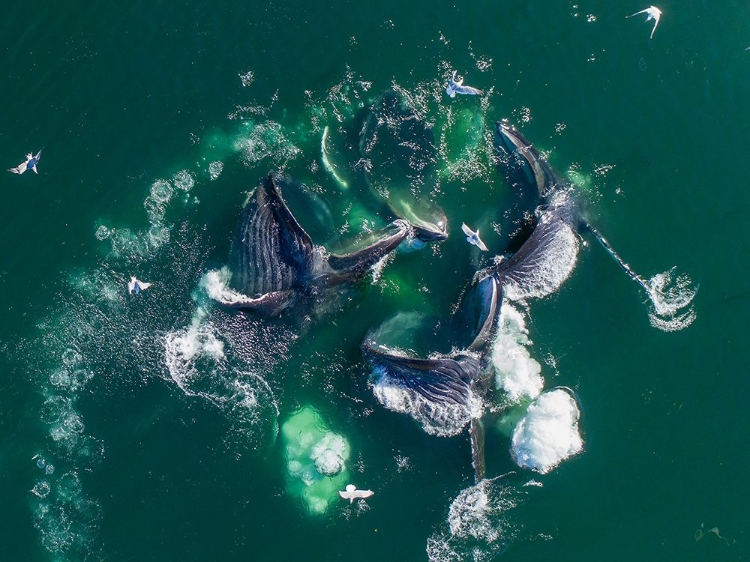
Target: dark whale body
[[533, 271], [274, 262], [538, 268]]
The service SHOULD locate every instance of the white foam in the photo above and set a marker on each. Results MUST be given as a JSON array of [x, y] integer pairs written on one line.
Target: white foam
[[435, 418], [671, 301], [516, 372], [548, 433], [183, 180], [183, 349], [478, 525], [266, 140], [216, 285]]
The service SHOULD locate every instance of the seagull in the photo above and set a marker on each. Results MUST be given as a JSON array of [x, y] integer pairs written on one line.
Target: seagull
[[136, 286], [473, 237], [29, 164], [653, 13], [457, 87], [352, 493]]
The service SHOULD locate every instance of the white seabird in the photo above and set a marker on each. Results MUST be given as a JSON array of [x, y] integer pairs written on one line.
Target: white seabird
[[457, 87], [652, 13], [136, 285], [29, 164], [473, 237], [351, 493]]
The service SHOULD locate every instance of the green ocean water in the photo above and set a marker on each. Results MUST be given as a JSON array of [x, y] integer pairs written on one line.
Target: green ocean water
[[134, 102]]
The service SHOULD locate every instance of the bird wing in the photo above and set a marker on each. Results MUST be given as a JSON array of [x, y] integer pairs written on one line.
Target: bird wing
[[635, 14], [468, 90], [20, 169], [656, 22], [481, 245], [467, 230]]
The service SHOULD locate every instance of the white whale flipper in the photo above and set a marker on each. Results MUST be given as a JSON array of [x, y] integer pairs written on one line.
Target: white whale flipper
[[351, 493], [652, 13], [457, 87], [473, 237], [136, 285]]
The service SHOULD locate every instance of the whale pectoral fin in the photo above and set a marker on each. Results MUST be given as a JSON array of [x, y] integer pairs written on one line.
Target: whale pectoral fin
[[512, 142], [476, 433], [442, 380], [352, 266]]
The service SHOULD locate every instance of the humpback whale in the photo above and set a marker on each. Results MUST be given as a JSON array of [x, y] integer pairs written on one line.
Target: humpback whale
[[274, 262], [549, 255], [441, 387], [446, 391]]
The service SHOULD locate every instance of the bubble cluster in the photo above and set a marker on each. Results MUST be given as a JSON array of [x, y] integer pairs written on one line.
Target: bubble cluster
[[316, 460]]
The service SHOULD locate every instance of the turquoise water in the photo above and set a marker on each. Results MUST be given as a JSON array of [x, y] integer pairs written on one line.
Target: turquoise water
[[159, 414]]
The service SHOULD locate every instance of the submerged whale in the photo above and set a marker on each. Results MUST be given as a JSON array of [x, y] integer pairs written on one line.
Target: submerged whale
[[274, 262], [398, 159]]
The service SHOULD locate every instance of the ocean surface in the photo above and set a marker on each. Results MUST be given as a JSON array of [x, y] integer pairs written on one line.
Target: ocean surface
[[163, 426]]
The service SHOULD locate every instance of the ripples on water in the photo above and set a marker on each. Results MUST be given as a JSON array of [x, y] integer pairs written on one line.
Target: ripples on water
[[175, 331]]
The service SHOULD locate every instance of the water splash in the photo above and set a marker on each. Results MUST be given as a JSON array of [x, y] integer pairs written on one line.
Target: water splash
[[516, 372], [671, 301], [479, 526]]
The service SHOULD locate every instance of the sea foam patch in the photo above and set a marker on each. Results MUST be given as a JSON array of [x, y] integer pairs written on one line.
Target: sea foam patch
[[548, 433], [516, 372]]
